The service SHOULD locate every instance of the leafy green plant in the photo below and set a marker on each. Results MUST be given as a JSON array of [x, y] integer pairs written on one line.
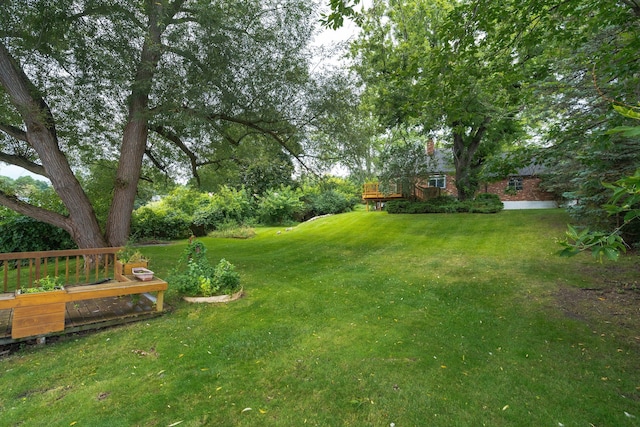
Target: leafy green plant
[[624, 202], [129, 254], [483, 203], [226, 277], [194, 275], [601, 244], [279, 206], [23, 234], [44, 284], [157, 221], [224, 207]]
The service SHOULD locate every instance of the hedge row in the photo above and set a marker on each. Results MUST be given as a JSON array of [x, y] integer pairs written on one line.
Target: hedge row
[[483, 203]]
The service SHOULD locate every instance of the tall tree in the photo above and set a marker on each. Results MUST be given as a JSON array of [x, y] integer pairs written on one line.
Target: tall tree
[[586, 60], [164, 82], [427, 65]]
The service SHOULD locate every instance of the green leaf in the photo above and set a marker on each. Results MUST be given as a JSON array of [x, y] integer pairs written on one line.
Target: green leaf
[[628, 131], [611, 254], [632, 113]]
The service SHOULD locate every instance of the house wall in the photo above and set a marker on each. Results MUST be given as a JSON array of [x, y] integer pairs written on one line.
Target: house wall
[[531, 190]]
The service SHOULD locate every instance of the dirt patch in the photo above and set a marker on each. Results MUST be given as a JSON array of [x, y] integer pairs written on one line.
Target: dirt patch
[[611, 306]]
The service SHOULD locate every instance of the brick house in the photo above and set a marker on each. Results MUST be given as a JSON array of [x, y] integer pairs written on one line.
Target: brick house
[[518, 191]]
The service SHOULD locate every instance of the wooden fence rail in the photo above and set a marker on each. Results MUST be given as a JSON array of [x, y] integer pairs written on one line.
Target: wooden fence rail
[[73, 266]]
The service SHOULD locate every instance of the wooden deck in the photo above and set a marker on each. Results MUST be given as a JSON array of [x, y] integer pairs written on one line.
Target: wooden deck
[[92, 298], [371, 193], [92, 314]]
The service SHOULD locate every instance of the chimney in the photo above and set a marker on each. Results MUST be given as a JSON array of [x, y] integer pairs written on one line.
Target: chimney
[[431, 147]]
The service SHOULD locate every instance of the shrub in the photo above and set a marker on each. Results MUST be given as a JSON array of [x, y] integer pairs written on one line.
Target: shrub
[[279, 206], [24, 234], [225, 279], [397, 206], [444, 200], [484, 203], [329, 202], [227, 206], [157, 221], [194, 276]]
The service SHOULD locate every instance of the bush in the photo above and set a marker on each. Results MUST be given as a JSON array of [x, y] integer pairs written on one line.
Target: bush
[[225, 279], [279, 206], [24, 234], [157, 221], [194, 276], [329, 202], [484, 203], [444, 200], [228, 206]]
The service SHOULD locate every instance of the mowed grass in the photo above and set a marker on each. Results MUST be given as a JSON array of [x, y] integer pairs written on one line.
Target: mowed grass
[[359, 319]]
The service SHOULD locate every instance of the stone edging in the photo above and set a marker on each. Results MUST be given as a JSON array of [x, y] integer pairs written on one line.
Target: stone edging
[[217, 298]]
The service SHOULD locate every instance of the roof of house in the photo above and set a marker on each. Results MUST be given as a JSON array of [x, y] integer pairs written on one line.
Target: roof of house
[[441, 161]]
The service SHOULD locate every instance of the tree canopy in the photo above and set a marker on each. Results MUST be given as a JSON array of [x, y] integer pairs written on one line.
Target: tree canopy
[[165, 83]]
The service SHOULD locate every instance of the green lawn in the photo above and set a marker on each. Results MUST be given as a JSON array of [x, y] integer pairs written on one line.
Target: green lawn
[[353, 320]]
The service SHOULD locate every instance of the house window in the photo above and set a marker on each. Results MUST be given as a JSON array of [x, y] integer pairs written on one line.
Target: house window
[[515, 183], [439, 181]]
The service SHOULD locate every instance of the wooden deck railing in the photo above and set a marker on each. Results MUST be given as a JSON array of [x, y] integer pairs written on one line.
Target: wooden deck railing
[[85, 273], [73, 266], [371, 190]]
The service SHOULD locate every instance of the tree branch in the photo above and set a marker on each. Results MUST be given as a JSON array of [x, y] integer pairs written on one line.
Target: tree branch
[[23, 163], [14, 132], [269, 132], [173, 137], [35, 212]]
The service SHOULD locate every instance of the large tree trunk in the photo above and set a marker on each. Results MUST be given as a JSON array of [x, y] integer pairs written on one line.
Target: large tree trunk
[[81, 223], [136, 131], [464, 151]]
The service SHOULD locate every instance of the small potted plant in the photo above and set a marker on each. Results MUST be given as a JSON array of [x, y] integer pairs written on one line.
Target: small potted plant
[[127, 259]]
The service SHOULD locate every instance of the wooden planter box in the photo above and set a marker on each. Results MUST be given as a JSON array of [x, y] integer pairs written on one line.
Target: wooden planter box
[[39, 313], [122, 270]]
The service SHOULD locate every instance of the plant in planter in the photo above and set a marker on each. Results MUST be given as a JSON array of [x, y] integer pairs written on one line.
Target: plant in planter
[[44, 284], [127, 259], [195, 277], [41, 309]]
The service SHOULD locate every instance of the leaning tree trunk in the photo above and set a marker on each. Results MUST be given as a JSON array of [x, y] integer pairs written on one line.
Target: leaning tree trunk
[[81, 223]]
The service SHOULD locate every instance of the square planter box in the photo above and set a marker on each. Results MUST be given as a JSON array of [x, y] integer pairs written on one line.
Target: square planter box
[[38, 313]]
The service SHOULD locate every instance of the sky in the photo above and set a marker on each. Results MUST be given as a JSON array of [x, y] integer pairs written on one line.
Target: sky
[[14, 172]]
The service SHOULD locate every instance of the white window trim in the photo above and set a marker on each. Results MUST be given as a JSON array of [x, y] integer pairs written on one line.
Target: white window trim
[[438, 179]]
